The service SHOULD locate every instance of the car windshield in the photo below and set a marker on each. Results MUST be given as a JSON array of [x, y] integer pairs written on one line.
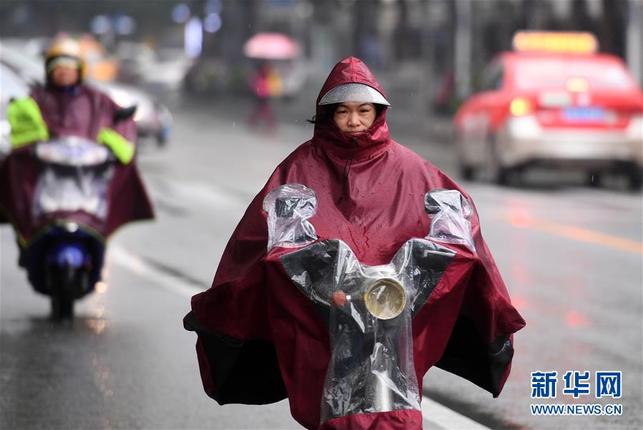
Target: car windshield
[[555, 73]]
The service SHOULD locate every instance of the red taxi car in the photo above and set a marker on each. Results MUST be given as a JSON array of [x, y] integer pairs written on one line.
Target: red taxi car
[[553, 101]]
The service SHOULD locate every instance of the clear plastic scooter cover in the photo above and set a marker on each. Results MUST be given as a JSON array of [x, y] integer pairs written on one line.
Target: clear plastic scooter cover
[[289, 207], [450, 214], [74, 176], [369, 311]]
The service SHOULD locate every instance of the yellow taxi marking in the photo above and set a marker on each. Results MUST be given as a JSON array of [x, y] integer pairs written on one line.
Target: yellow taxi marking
[[577, 233]]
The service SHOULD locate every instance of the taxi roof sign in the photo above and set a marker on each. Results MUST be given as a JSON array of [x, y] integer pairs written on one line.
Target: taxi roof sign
[[562, 42]]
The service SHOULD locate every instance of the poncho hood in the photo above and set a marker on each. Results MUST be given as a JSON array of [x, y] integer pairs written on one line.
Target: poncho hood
[[359, 145]]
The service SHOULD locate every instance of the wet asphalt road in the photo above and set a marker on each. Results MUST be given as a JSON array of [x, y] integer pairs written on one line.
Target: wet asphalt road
[[571, 256]]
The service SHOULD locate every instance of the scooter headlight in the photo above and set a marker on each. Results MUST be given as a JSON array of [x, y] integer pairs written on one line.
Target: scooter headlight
[[385, 299]]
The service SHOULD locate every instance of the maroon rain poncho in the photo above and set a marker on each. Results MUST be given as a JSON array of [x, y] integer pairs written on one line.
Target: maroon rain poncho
[[260, 340], [77, 111]]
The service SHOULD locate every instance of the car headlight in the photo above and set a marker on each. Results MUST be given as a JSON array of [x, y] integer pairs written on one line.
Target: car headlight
[[635, 129], [144, 110], [521, 106], [524, 127], [138, 115], [121, 98], [5, 128]]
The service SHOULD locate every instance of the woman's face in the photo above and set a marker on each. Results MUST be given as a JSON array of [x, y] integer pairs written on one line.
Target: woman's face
[[354, 117], [63, 76]]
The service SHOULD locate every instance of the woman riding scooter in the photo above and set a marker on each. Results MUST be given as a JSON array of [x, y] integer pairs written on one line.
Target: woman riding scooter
[[356, 268], [56, 134]]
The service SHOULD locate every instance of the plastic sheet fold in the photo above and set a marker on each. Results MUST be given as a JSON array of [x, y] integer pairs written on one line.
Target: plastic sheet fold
[[450, 217], [289, 207], [369, 309]]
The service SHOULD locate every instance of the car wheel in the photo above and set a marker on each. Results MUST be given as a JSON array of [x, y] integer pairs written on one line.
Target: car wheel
[[503, 176], [498, 174], [467, 172], [634, 178], [594, 179]]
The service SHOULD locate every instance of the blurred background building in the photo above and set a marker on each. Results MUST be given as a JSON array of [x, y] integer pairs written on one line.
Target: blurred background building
[[438, 45]]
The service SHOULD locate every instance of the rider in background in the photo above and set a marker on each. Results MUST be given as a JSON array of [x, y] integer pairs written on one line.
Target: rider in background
[[67, 106]]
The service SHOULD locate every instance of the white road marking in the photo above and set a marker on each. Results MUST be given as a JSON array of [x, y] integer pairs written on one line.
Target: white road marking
[[120, 256], [434, 414], [204, 194]]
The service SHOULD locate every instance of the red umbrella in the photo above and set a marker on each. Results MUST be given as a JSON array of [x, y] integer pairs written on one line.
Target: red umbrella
[[271, 46]]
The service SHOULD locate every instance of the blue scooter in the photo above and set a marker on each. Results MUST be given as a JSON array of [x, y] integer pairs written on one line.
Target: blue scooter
[[65, 260]]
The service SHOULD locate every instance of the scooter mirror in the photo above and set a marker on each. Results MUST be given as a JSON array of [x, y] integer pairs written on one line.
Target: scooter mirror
[[123, 114]]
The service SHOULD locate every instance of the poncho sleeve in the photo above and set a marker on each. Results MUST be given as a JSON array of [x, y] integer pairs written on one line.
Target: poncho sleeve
[[237, 358], [480, 348]]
